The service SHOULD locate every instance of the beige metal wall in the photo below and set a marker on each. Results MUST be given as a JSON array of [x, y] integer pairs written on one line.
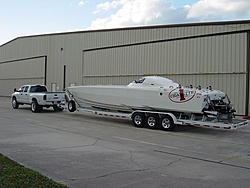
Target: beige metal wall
[[211, 53], [25, 47], [219, 61], [65, 49], [99, 39], [217, 54], [17, 73], [60, 49]]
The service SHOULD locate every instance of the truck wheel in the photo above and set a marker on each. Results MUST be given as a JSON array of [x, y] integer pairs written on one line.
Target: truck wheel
[[138, 119], [15, 104], [167, 123], [152, 121], [35, 107], [72, 106]]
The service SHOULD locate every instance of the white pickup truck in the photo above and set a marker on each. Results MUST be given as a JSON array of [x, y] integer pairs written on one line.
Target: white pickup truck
[[38, 97]]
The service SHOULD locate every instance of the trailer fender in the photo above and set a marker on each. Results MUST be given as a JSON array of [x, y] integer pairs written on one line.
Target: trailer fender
[[173, 117]]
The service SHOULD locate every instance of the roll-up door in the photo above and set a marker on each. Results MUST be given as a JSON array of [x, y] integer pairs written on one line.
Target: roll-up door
[[16, 73]]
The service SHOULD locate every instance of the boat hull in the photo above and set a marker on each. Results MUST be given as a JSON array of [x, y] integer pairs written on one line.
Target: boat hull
[[126, 98]]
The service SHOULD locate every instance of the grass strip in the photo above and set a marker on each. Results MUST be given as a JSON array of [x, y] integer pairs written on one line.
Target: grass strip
[[13, 175]]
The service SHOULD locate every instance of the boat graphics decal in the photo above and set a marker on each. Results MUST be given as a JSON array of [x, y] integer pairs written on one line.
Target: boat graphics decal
[[181, 95]]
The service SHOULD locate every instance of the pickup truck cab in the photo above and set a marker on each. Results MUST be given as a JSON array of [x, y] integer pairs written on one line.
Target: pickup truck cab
[[37, 96]]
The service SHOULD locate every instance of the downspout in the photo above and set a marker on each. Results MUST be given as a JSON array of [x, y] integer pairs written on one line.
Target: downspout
[[45, 71], [247, 74], [64, 77]]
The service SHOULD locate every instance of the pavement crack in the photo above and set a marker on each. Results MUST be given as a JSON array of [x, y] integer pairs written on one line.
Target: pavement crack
[[72, 147], [96, 142], [104, 175], [221, 162], [124, 171], [176, 161], [132, 160]]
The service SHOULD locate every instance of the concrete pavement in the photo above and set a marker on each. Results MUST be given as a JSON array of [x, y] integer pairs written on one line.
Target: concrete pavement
[[81, 150]]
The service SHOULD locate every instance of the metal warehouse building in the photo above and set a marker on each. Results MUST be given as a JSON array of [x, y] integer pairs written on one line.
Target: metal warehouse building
[[216, 53]]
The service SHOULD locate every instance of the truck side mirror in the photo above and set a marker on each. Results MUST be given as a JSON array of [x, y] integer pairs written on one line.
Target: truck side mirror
[[15, 90]]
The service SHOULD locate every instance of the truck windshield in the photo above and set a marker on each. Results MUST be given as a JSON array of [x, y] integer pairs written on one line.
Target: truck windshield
[[38, 89]]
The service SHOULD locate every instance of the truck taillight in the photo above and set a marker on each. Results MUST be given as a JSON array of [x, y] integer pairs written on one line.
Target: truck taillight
[[44, 97]]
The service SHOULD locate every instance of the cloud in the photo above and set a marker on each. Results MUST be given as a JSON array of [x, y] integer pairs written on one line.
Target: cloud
[[81, 3], [209, 9], [108, 5], [150, 12], [132, 12]]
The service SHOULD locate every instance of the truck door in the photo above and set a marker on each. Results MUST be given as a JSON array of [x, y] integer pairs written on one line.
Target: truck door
[[25, 94], [23, 98], [20, 94]]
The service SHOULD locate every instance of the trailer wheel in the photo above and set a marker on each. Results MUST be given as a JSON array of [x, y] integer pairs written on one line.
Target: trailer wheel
[[152, 121], [72, 106], [35, 107], [15, 104], [138, 119], [167, 123]]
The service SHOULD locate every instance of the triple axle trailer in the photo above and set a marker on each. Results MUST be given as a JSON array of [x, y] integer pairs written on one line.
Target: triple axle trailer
[[165, 120]]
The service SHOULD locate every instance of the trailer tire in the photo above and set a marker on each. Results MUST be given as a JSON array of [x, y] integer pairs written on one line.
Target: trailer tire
[[138, 119], [152, 121], [72, 106], [15, 104], [35, 107], [167, 123]]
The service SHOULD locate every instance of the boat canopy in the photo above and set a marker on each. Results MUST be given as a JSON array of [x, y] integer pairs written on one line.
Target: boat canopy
[[154, 81]]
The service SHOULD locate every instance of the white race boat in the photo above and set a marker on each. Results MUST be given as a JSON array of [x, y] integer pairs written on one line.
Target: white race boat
[[152, 93]]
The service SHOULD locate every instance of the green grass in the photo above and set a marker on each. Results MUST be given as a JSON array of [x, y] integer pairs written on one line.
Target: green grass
[[14, 175]]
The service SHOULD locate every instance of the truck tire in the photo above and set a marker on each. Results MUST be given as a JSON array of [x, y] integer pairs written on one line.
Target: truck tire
[[167, 123], [138, 119], [72, 106], [152, 121], [15, 104], [35, 107]]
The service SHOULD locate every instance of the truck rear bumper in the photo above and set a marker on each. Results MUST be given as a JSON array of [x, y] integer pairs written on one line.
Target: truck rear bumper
[[52, 103]]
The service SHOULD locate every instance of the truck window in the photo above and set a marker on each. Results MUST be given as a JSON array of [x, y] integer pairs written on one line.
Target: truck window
[[38, 89], [21, 89], [26, 88]]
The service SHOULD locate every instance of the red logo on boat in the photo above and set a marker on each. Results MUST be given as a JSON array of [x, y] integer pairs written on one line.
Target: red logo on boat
[[181, 95]]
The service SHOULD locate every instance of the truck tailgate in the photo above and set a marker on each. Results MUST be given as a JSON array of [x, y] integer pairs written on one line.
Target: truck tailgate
[[55, 96]]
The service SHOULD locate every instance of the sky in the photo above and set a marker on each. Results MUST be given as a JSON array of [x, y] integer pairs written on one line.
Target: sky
[[33, 17]]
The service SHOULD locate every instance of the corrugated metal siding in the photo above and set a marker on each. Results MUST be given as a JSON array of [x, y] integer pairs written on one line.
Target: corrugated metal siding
[[32, 47], [184, 59], [203, 59], [220, 54], [118, 37], [10, 84], [65, 50], [30, 68], [24, 48], [15, 74]]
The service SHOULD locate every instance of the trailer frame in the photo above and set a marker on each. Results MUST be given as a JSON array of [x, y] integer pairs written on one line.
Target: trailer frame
[[165, 120]]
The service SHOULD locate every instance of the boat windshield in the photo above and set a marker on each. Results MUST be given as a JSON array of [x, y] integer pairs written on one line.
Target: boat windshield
[[140, 80]]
